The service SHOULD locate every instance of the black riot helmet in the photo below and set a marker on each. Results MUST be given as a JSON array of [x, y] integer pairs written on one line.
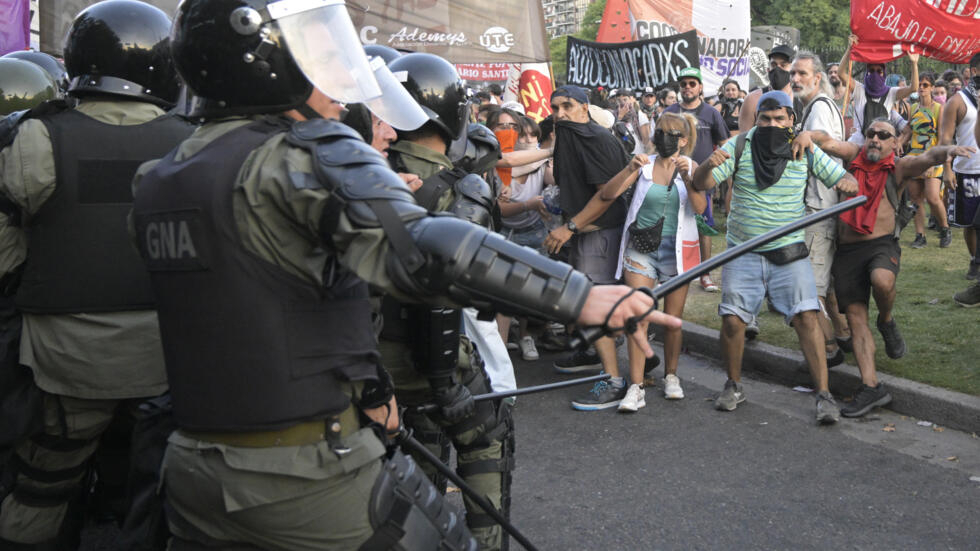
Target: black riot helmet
[[23, 85], [436, 86], [384, 52], [121, 48], [49, 63]]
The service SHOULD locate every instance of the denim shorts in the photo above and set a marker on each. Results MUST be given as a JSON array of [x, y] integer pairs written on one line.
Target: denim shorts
[[660, 265], [532, 236], [746, 280]]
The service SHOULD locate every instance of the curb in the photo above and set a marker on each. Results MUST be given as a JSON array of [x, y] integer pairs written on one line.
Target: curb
[[944, 407]]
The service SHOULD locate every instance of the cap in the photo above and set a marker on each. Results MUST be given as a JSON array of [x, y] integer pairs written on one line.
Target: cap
[[620, 92], [573, 92], [780, 98], [690, 72], [649, 91], [602, 116], [784, 50]]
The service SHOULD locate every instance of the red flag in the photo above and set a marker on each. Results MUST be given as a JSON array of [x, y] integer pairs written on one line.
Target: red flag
[[947, 30], [530, 84]]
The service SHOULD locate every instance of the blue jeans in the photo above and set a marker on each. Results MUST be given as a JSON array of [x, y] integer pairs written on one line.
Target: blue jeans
[[532, 236], [746, 280]]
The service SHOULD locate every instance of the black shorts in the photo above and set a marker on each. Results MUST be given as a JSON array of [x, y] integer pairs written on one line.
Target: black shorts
[[853, 264]]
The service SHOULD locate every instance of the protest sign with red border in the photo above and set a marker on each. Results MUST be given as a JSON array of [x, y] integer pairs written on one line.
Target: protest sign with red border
[[946, 30]]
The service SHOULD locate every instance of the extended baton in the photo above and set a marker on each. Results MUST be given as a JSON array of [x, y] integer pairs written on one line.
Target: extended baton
[[429, 408], [586, 335]]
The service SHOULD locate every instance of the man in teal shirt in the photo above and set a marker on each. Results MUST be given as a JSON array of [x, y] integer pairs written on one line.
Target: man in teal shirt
[[768, 192]]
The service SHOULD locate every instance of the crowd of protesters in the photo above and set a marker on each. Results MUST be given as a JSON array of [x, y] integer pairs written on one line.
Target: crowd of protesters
[[907, 144]]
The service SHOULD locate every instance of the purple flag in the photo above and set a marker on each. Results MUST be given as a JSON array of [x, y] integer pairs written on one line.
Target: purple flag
[[15, 25]]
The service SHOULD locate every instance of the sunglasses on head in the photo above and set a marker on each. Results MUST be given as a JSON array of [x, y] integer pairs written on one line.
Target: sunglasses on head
[[689, 83], [882, 135]]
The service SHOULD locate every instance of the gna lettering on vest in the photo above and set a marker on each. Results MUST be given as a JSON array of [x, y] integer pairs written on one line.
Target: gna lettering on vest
[[169, 240]]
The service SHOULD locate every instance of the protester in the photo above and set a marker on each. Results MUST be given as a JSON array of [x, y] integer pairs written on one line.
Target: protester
[[940, 91], [648, 103], [953, 81], [665, 98], [780, 60], [768, 193], [586, 157], [925, 123], [873, 98], [712, 133], [962, 176], [836, 84], [636, 121], [730, 104], [868, 253], [810, 85], [662, 198], [970, 297]]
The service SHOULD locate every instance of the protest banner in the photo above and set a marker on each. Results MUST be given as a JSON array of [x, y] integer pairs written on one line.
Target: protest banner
[[15, 25], [483, 71], [530, 85], [946, 30], [722, 29], [632, 65]]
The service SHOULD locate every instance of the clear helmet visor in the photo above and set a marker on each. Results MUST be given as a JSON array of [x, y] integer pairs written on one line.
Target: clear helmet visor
[[322, 40], [395, 106]]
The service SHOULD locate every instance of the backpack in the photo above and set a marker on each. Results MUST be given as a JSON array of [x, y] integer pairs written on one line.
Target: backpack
[[873, 109]]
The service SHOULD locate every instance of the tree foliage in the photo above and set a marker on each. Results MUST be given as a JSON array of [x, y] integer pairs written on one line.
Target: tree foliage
[[823, 24]]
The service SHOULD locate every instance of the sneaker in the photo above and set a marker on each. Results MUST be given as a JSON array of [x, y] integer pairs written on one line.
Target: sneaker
[[578, 362], [672, 388], [528, 351], [836, 359], [648, 367], [553, 343], [708, 285], [919, 241], [731, 396], [845, 344], [635, 399], [867, 398], [969, 297], [827, 410], [752, 330], [512, 345], [602, 396], [932, 222], [894, 343], [974, 272], [945, 238]]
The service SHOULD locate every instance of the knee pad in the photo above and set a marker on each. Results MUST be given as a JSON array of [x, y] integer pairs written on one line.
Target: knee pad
[[408, 513]]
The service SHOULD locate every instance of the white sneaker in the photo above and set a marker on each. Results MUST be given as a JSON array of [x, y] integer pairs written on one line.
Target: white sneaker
[[634, 400], [672, 388], [512, 345], [528, 350]]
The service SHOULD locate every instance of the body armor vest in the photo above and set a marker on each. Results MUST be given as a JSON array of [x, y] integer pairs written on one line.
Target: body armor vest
[[248, 346], [80, 255]]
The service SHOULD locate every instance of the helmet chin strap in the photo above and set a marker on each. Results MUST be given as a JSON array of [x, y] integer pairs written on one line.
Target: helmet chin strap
[[308, 112]]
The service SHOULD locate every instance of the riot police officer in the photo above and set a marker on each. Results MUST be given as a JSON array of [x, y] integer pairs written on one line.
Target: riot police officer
[[23, 85], [422, 347], [54, 68], [261, 233], [90, 333]]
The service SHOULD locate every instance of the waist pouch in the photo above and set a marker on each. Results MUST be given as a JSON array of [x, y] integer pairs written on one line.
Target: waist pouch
[[646, 240], [787, 254]]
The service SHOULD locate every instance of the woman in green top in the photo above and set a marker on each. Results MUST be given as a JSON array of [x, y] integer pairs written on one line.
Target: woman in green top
[[925, 124]]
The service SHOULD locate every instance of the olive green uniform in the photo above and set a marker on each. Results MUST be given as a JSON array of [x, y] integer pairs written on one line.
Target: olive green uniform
[[280, 496], [88, 364], [473, 446]]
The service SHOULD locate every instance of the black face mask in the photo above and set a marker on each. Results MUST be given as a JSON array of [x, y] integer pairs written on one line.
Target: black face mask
[[778, 78], [771, 150], [666, 143]]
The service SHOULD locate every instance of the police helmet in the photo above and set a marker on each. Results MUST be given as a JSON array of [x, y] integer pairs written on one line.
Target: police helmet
[[49, 63], [23, 85], [436, 86], [121, 48], [384, 52]]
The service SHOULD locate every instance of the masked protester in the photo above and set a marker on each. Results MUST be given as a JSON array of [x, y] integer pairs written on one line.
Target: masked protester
[[868, 252], [281, 217], [768, 192], [872, 98], [90, 331]]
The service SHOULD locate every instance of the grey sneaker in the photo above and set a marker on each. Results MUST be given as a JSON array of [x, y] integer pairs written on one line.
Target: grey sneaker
[[969, 297], [945, 238], [867, 398], [827, 410], [973, 273], [752, 330], [894, 343], [731, 396], [919, 241], [578, 362], [602, 396]]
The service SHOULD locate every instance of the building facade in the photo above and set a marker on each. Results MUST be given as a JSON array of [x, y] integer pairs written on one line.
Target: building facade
[[563, 17]]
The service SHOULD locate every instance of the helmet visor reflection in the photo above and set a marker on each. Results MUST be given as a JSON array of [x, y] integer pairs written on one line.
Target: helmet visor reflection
[[395, 106]]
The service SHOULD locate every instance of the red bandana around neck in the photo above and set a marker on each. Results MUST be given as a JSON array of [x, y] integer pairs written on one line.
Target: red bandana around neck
[[871, 178]]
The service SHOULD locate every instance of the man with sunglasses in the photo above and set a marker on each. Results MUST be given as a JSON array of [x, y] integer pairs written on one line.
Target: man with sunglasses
[[873, 99], [712, 133], [868, 252]]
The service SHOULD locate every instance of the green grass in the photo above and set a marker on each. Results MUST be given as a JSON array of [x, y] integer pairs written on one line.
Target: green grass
[[942, 336]]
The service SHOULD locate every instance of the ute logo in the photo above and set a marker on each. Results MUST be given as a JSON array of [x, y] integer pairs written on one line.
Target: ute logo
[[497, 39]]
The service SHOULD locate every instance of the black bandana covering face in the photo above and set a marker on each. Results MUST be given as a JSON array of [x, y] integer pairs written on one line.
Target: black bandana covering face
[[666, 142], [770, 152]]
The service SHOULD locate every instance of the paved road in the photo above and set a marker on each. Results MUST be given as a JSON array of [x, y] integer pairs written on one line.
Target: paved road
[[680, 475]]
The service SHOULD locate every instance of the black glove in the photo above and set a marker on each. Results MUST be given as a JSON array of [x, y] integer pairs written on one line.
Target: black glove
[[455, 402], [377, 393]]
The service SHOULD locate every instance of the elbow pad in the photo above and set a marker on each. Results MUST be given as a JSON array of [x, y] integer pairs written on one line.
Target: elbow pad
[[474, 200], [473, 266]]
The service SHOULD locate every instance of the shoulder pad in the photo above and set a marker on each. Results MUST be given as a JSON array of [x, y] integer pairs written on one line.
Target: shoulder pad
[[475, 188], [480, 133], [319, 129]]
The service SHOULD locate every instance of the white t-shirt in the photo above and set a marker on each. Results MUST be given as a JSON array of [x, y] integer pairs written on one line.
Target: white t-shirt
[[644, 120], [823, 115], [858, 101]]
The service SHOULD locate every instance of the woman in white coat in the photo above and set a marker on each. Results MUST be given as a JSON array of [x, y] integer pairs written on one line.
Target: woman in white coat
[[662, 196]]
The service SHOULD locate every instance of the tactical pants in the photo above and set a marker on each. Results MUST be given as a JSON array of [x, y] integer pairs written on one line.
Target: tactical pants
[[53, 468], [484, 442]]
